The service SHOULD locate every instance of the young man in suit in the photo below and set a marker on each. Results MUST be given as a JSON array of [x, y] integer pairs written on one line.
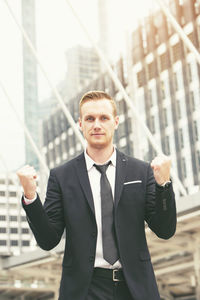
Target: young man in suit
[[102, 199]]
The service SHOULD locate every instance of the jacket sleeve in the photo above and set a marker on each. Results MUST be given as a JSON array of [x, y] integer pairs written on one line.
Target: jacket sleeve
[[160, 208], [47, 222]]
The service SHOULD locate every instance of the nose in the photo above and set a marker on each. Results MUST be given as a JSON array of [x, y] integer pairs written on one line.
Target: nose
[[97, 123]]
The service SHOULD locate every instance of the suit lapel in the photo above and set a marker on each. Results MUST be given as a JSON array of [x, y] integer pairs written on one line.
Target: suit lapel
[[120, 175], [121, 162], [84, 180]]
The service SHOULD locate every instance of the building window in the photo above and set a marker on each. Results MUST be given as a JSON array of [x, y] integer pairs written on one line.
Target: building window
[[181, 140], [25, 230], [165, 117], [175, 81], [12, 194], [167, 145], [122, 130], [2, 218], [2, 193], [191, 37], [2, 242], [13, 218], [2, 230], [152, 124], [178, 109], [189, 72], [140, 78], [162, 87], [198, 158], [196, 135], [13, 230], [151, 70], [176, 52], [13, 206], [14, 243], [184, 170], [2, 181], [164, 61], [23, 218], [150, 98], [25, 243], [192, 103]]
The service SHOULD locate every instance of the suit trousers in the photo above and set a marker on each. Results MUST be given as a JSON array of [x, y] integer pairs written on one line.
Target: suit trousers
[[106, 289]]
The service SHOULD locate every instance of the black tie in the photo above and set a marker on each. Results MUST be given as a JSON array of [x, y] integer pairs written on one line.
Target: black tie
[[110, 251]]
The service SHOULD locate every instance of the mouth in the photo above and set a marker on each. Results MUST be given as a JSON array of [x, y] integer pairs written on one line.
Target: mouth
[[97, 134]]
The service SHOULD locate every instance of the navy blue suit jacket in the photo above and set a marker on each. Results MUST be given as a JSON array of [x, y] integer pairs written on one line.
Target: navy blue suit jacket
[[69, 205]]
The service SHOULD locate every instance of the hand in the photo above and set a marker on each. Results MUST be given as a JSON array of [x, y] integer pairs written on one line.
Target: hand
[[161, 165], [27, 176]]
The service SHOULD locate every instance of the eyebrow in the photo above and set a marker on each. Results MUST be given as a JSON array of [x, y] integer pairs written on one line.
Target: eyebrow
[[99, 114]]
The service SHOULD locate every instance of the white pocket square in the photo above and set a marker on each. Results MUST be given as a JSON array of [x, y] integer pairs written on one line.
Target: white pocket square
[[131, 182]]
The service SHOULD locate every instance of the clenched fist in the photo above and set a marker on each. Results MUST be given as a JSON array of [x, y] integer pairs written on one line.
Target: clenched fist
[[161, 165], [27, 176]]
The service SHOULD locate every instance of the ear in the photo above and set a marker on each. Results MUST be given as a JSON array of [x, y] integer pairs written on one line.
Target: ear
[[116, 122], [80, 123]]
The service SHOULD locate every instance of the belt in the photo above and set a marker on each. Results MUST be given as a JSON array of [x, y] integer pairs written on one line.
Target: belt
[[114, 274]]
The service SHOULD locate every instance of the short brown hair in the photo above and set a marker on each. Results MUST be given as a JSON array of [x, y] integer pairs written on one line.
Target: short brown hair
[[97, 95]]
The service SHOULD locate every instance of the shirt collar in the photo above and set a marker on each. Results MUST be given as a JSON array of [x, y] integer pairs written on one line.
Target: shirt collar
[[90, 162]]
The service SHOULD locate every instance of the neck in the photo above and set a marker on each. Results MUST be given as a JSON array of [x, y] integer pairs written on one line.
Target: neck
[[100, 156]]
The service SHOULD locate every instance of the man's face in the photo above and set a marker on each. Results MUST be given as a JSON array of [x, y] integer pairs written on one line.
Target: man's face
[[98, 123]]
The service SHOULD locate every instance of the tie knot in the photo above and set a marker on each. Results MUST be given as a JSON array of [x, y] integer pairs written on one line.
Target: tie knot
[[102, 168]]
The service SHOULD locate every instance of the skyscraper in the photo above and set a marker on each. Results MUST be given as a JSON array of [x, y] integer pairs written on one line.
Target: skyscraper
[[31, 113], [82, 65]]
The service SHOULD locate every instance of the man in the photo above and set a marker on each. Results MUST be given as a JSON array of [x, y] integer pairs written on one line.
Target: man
[[106, 255]]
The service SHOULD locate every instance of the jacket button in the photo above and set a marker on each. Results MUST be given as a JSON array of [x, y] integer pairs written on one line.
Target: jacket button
[[94, 234]]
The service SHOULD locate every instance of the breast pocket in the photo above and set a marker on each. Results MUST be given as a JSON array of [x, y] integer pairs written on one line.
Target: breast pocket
[[133, 193]]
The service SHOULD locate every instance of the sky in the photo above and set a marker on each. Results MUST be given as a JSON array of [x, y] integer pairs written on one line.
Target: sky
[[56, 30]]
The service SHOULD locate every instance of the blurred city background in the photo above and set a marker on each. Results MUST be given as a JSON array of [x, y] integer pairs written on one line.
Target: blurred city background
[[143, 53]]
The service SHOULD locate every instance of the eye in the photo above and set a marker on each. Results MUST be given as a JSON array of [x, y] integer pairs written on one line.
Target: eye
[[104, 117], [89, 118]]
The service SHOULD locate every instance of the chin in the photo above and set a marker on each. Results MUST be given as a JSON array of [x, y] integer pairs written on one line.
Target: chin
[[98, 145]]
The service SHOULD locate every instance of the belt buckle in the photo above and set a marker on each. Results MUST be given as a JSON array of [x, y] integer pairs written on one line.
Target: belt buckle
[[114, 273]]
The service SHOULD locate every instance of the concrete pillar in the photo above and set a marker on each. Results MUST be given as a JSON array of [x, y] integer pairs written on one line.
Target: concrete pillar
[[56, 292], [197, 267]]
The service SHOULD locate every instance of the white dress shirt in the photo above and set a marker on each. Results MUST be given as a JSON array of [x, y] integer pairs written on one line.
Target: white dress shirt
[[94, 178]]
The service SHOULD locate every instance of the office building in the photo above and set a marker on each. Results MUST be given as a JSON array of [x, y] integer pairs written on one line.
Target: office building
[[165, 80], [31, 109], [15, 235]]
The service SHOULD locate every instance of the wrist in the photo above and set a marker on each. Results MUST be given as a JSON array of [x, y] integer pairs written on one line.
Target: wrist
[[29, 195], [162, 181], [165, 182]]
